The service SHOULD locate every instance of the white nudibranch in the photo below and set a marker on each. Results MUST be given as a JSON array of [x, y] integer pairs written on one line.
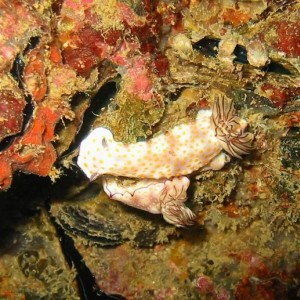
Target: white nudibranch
[[165, 196], [192, 146]]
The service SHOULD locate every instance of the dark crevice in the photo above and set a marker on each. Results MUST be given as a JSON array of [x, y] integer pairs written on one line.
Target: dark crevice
[[209, 48], [6, 142], [86, 281], [17, 70], [19, 64], [276, 68], [19, 205], [77, 99], [173, 96], [33, 42], [17, 73], [240, 54], [99, 101], [27, 197]]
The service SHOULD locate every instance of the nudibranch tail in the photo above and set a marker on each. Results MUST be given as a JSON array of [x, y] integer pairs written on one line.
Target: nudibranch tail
[[229, 128]]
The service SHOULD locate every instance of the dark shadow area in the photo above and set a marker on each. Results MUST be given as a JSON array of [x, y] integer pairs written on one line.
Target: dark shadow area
[[99, 101], [19, 205], [209, 47], [23, 200], [85, 279], [28, 195]]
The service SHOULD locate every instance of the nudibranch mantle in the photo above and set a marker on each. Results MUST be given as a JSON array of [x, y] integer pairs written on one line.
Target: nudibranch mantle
[[192, 146], [180, 151]]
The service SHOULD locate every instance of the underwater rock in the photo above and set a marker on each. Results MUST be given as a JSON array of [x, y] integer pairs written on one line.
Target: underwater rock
[[11, 113], [160, 62]]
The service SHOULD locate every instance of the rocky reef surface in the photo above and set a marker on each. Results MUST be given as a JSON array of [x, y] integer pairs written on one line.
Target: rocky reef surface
[[139, 68]]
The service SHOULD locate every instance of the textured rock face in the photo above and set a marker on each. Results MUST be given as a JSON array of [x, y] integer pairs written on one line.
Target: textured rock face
[[11, 110], [139, 69], [147, 44]]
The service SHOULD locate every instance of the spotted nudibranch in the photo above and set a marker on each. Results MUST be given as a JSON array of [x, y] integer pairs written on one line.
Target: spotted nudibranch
[[195, 145]]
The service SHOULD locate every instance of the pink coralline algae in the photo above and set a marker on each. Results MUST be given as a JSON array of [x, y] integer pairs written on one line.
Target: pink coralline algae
[[18, 22], [206, 286], [139, 82]]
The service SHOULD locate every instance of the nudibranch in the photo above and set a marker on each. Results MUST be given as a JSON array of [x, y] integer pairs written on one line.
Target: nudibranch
[[165, 196], [192, 146]]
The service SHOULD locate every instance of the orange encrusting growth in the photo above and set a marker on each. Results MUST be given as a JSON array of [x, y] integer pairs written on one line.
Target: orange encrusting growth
[[33, 152]]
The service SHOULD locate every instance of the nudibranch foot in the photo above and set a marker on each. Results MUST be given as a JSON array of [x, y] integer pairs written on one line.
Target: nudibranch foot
[[217, 163]]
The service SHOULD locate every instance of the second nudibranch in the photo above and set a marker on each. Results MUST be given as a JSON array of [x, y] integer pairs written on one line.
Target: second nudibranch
[[157, 196], [192, 146]]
